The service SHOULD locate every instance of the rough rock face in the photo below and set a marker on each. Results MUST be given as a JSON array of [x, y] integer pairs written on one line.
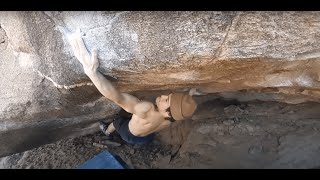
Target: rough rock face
[[242, 55]]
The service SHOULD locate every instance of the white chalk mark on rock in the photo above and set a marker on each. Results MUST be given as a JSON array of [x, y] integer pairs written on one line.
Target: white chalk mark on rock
[[64, 86]]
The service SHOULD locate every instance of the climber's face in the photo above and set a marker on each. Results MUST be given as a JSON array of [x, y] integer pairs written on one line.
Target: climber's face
[[163, 103]]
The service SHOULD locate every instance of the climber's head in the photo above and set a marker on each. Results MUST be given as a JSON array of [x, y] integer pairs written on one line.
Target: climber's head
[[179, 106]]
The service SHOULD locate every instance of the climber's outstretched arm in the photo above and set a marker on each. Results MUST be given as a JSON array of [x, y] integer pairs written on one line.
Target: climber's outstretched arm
[[90, 65]]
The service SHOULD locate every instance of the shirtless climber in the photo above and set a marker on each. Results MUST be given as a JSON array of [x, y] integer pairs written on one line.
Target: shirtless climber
[[147, 118]]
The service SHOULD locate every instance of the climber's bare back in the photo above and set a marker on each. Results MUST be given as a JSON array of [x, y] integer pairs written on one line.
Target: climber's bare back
[[152, 120]]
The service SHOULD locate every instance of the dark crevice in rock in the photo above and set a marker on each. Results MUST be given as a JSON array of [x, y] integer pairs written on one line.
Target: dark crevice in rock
[[3, 39]]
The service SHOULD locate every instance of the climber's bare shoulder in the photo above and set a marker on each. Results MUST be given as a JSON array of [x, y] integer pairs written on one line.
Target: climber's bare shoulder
[[146, 112]]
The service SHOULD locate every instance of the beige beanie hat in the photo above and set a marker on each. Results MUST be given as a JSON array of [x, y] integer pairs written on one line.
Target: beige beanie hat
[[182, 106]]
